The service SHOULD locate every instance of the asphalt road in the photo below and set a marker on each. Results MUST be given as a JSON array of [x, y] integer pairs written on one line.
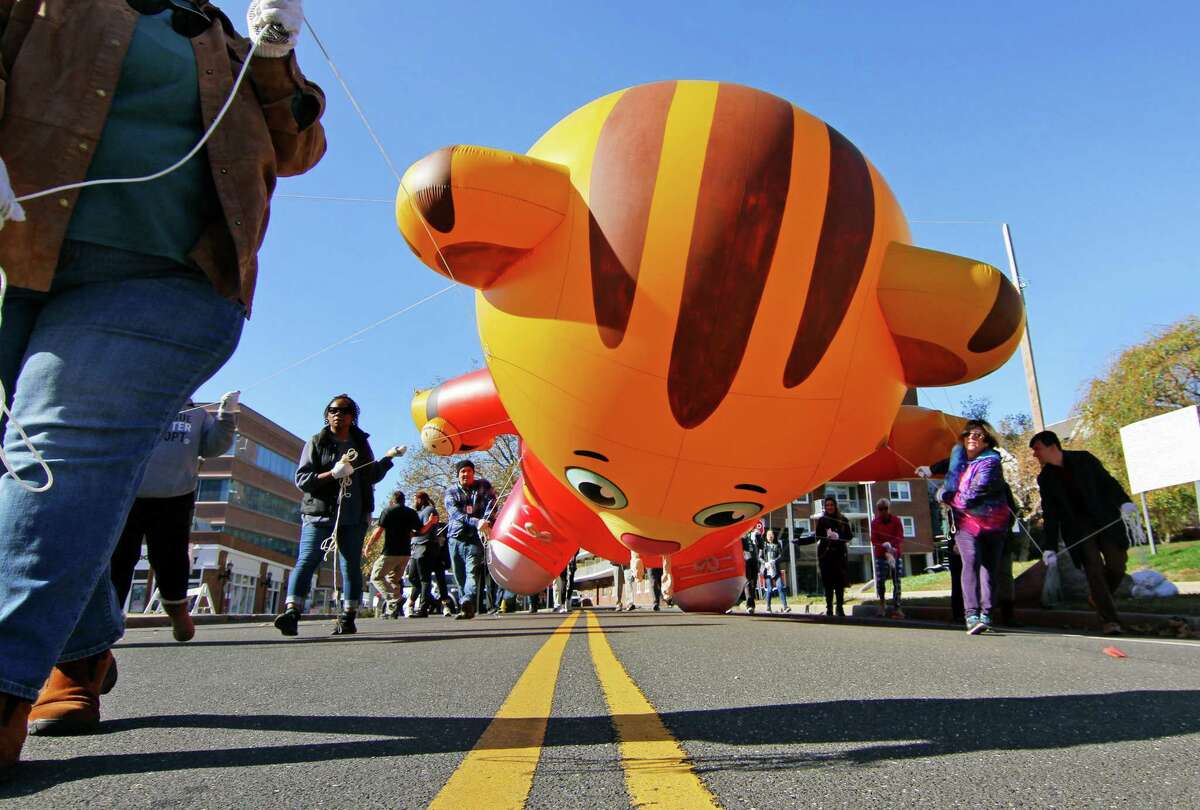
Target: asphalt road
[[618, 710]]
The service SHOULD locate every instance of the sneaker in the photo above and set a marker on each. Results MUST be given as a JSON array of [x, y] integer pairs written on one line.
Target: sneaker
[[656, 608], [468, 611], [288, 621], [986, 621], [974, 625], [345, 624], [750, 610], [1112, 629]]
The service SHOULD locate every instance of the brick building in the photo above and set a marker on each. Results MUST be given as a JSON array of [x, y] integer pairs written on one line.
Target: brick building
[[246, 529]]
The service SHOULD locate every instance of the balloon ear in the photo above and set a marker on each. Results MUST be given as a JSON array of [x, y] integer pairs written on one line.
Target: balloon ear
[[953, 319], [470, 212]]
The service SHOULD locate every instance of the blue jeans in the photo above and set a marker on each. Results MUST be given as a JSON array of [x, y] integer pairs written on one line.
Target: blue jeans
[[467, 561], [95, 369], [350, 544], [775, 585]]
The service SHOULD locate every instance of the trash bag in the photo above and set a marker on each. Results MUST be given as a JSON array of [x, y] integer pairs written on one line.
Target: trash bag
[[1147, 578], [1051, 587]]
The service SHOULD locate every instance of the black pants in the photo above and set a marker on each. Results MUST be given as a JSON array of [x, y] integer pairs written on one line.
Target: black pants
[[832, 593], [656, 575], [165, 524], [751, 584]]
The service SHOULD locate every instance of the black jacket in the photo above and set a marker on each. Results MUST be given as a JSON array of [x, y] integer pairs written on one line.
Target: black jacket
[[320, 454], [1100, 495], [833, 555]]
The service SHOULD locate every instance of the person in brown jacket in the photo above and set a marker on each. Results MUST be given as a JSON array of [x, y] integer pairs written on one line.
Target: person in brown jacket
[[122, 298]]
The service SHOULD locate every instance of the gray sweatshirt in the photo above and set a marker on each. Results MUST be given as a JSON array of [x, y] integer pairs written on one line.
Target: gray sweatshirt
[[175, 462]]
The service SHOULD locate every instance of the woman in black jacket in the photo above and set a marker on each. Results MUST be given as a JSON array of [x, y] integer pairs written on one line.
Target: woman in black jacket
[[339, 493], [833, 531]]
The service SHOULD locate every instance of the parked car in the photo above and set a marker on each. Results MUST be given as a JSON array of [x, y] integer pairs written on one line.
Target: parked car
[[579, 600]]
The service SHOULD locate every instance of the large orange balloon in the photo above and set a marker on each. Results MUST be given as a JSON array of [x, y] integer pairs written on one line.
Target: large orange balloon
[[697, 300]]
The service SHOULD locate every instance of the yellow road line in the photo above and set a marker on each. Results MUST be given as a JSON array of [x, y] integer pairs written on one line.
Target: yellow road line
[[658, 773], [498, 771]]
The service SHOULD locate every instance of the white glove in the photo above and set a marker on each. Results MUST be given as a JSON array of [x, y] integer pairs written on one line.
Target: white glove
[[939, 494], [887, 547], [10, 209], [1128, 509], [1050, 558], [395, 452], [831, 534], [924, 472], [343, 469], [275, 25], [229, 401]]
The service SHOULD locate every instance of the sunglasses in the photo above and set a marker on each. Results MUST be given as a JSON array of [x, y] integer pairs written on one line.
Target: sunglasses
[[187, 21], [336, 409], [976, 435]]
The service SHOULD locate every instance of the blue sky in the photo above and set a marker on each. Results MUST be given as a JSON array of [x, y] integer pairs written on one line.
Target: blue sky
[[1075, 122]]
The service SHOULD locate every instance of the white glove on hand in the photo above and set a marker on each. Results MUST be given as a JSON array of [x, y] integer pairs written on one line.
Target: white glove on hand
[[275, 25], [229, 401], [940, 495], [343, 469], [1050, 558], [831, 534], [1128, 509], [10, 209], [924, 472], [887, 547], [396, 452]]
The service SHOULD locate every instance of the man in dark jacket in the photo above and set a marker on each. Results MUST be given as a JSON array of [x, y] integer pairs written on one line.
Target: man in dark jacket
[[1084, 503]]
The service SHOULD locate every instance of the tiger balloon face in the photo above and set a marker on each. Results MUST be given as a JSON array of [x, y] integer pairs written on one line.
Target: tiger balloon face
[[698, 300]]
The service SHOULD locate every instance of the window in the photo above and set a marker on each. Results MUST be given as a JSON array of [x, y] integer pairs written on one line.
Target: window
[[265, 503], [213, 489], [910, 526], [802, 499], [899, 491], [276, 463], [239, 594], [846, 497], [803, 525], [288, 547]]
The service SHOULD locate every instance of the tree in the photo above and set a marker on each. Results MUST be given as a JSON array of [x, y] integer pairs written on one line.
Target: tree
[[1158, 375], [975, 408]]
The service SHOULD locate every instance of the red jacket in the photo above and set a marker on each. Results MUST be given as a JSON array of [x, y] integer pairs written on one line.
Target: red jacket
[[890, 532]]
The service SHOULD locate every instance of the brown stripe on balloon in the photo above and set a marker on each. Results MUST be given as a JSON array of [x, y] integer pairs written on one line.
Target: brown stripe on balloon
[[841, 255], [1002, 321], [743, 190], [624, 171], [429, 184]]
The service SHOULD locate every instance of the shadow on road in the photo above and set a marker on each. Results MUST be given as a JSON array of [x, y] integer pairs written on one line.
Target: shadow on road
[[903, 728], [400, 638]]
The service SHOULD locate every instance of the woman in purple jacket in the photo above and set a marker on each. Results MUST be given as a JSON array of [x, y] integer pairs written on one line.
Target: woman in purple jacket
[[981, 512]]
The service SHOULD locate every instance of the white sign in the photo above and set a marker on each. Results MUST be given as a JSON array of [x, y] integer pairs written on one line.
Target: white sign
[[1163, 451]]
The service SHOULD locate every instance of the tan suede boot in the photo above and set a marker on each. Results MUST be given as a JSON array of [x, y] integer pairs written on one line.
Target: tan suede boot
[[70, 699], [181, 620], [14, 713]]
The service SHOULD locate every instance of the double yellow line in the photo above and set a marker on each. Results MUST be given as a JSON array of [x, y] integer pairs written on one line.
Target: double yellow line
[[499, 770]]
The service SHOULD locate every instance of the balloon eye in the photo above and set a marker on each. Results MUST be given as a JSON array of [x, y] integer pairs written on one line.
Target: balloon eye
[[726, 514], [596, 488]]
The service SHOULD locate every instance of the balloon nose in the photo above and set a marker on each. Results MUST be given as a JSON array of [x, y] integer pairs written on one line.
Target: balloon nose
[[645, 545]]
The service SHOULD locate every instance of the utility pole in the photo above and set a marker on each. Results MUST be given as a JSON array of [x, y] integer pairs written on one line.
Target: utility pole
[[1035, 397]]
